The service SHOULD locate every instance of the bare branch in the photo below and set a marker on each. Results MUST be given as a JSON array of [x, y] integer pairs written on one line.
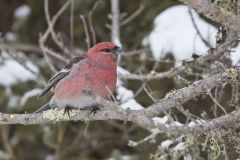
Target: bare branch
[[72, 25], [181, 96], [86, 31], [213, 55], [53, 116], [90, 20], [25, 47], [133, 16], [6, 142], [115, 17], [55, 38], [54, 20], [22, 61], [153, 75], [217, 103], [44, 37]]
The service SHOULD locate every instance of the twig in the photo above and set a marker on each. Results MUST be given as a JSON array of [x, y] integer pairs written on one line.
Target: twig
[[214, 54], [115, 28], [86, 31], [44, 37], [187, 113], [90, 20], [55, 55], [179, 97], [133, 16], [72, 25], [74, 143], [134, 52], [216, 102], [13, 54], [6, 143], [150, 137], [25, 47], [196, 28], [55, 38], [153, 75], [41, 80], [149, 93], [60, 138]]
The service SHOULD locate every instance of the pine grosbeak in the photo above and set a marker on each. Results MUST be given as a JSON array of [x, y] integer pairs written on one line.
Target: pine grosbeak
[[94, 72]]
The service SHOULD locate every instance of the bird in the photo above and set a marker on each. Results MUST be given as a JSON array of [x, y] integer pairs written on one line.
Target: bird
[[93, 73]]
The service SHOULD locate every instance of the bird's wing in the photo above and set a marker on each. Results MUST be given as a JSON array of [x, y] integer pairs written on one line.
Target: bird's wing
[[60, 75]]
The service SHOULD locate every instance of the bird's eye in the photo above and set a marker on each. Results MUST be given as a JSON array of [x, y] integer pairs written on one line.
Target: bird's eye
[[106, 50]]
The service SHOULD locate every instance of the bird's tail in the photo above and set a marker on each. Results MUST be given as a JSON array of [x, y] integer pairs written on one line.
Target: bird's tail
[[43, 108]]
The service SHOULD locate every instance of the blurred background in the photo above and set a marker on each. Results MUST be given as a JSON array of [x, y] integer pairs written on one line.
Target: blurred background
[[156, 36]]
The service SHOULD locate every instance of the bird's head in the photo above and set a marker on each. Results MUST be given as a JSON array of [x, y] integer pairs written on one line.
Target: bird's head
[[105, 53]]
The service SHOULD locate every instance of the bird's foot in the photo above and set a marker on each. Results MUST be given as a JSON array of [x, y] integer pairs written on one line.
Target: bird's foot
[[94, 109], [67, 110]]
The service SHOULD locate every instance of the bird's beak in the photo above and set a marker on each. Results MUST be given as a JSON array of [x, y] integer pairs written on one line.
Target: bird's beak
[[117, 50]]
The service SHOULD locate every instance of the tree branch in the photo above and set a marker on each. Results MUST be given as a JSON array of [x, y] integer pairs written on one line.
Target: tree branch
[[115, 17], [133, 16], [53, 116], [142, 118], [181, 96], [214, 54]]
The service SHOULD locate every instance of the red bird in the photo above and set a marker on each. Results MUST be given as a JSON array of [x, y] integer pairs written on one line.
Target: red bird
[[94, 73]]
